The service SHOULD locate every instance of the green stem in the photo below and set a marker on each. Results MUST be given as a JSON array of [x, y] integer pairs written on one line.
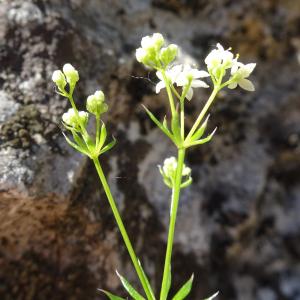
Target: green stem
[[123, 231], [203, 112], [170, 95], [182, 119], [173, 215]]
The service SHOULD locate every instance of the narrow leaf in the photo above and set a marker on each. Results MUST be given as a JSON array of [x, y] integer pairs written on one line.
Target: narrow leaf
[[103, 135], [147, 280], [108, 146], [187, 183], [158, 124], [129, 288], [79, 141], [203, 141], [213, 296], [110, 295], [198, 134], [75, 146], [185, 290]]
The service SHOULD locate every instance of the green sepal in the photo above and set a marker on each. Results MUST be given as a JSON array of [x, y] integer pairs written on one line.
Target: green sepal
[[185, 290], [129, 288], [213, 296], [175, 126], [108, 146], [162, 127], [203, 141], [75, 146], [147, 280], [199, 133], [110, 295], [102, 137], [186, 183]]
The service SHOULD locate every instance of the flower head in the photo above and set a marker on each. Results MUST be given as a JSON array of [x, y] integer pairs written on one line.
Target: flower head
[[70, 118], [168, 171], [59, 79], [71, 74], [95, 103], [239, 75], [168, 54], [189, 77], [171, 74], [219, 58]]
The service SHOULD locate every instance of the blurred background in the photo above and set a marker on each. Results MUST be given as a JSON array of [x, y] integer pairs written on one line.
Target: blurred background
[[238, 228]]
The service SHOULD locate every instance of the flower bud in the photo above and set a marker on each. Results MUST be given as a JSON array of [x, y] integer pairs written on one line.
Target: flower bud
[[71, 119], [168, 54], [95, 103], [158, 40], [71, 74], [59, 79]]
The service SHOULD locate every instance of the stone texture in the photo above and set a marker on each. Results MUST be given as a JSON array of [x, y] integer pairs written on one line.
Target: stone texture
[[238, 227]]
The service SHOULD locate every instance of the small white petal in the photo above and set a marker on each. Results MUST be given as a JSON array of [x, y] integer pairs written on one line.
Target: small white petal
[[249, 68], [159, 75], [159, 86], [199, 83], [232, 85], [246, 85], [200, 74], [189, 94]]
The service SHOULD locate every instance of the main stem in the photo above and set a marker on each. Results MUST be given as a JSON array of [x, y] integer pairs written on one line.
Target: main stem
[[173, 215], [123, 231]]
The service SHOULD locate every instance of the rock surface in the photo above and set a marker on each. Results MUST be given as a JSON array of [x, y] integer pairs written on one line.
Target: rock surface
[[238, 228]]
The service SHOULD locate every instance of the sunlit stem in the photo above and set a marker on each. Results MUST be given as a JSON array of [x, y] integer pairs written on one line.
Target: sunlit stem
[[170, 95], [173, 215], [203, 112], [139, 271]]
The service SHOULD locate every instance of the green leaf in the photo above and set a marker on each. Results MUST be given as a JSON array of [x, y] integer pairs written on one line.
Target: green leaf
[[102, 138], [198, 134], [176, 128], [147, 280], [185, 290], [108, 146], [203, 141], [213, 296], [129, 288], [79, 141], [110, 295], [75, 146], [162, 127]]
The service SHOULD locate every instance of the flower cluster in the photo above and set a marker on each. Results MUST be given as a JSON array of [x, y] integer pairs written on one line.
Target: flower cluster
[[152, 53], [219, 60], [184, 76], [77, 121], [168, 172]]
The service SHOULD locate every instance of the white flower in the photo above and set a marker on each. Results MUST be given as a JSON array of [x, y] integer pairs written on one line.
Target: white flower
[[169, 167], [152, 42], [219, 58], [171, 75], [190, 76], [95, 103], [148, 53], [71, 74], [59, 79], [70, 118], [240, 73]]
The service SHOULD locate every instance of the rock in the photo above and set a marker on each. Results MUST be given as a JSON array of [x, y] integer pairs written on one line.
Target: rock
[[237, 228]]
